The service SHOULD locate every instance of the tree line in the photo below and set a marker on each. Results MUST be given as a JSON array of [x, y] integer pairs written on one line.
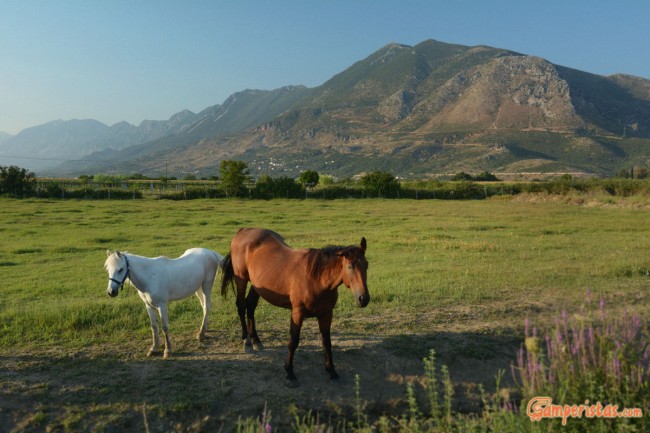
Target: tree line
[[235, 181]]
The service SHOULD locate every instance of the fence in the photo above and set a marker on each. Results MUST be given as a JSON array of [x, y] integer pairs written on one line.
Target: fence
[[418, 190]]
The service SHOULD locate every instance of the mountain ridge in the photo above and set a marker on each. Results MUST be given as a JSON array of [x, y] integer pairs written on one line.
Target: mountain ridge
[[415, 111]]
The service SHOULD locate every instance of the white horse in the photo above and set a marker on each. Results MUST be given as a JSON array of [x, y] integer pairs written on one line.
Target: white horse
[[161, 280]]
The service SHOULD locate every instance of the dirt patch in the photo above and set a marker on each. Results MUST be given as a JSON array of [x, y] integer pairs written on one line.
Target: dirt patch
[[209, 385]]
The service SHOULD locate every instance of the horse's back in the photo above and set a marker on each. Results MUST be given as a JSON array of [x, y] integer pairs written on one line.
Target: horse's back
[[251, 241], [256, 237], [262, 256], [199, 262], [203, 254]]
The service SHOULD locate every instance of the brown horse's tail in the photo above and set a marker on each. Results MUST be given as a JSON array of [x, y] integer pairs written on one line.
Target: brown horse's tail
[[228, 275]]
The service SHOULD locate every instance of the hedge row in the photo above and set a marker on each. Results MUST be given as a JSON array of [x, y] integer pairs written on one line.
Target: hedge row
[[445, 190]]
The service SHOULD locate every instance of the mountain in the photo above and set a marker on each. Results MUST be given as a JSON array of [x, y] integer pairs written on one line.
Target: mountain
[[4, 137], [415, 111], [43, 147], [440, 108], [241, 111]]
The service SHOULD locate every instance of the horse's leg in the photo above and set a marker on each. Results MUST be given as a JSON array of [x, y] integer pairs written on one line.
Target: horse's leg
[[294, 339], [165, 328], [204, 297], [241, 310], [251, 304], [153, 318], [325, 324]]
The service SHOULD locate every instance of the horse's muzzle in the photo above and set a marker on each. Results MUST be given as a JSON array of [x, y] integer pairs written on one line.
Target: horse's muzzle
[[363, 300], [112, 293]]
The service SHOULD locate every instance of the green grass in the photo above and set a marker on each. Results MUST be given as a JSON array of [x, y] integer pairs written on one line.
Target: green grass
[[436, 267], [423, 254]]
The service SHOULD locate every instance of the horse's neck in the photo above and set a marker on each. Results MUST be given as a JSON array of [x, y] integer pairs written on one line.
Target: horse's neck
[[331, 278], [138, 271]]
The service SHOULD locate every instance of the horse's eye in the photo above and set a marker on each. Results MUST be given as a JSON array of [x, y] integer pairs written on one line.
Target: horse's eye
[[119, 271]]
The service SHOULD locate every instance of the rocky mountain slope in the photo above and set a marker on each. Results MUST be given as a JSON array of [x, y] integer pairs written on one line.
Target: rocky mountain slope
[[440, 108], [415, 111]]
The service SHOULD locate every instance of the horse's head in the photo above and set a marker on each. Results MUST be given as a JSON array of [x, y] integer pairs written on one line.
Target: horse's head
[[355, 270], [117, 266]]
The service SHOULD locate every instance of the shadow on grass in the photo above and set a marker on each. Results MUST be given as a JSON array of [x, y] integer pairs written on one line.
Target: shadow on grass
[[211, 386]]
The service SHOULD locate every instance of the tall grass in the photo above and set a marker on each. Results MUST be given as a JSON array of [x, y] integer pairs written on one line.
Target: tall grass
[[587, 359], [593, 356]]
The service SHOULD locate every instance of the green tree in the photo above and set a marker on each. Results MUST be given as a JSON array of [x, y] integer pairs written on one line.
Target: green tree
[[16, 181], [380, 183], [309, 178], [486, 176], [462, 176], [281, 187], [264, 187], [234, 175]]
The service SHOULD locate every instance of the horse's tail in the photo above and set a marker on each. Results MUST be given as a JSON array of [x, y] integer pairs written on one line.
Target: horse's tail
[[228, 275]]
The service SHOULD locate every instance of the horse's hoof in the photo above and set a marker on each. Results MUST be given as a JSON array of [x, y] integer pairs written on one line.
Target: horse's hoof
[[200, 336], [259, 346], [167, 354], [248, 348], [334, 378], [291, 383], [153, 353]]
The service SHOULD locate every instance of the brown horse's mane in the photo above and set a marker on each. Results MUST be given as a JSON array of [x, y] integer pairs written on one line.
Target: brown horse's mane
[[320, 260]]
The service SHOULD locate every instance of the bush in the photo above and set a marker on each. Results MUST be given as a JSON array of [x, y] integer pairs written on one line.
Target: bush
[[267, 187], [16, 182], [380, 183], [462, 176], [190, 193], [309, 178]]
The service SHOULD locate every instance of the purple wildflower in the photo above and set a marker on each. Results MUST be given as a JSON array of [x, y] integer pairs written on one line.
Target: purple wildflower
[[549, 346]]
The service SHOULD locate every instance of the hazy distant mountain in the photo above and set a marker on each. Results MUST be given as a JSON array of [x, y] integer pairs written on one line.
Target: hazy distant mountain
[[46, 146], [415, 110], [4, 137], [241, 111]]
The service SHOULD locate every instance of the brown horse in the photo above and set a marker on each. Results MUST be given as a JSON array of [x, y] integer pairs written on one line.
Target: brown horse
[[305, 281]]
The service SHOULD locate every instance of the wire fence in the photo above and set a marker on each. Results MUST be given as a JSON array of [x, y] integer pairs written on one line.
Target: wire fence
[[288, 189]]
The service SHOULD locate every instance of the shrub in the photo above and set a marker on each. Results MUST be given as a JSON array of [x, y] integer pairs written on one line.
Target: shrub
[[309, 178], [16, 182], [282, 187], [462, 176], [380, 183], [593, 356]]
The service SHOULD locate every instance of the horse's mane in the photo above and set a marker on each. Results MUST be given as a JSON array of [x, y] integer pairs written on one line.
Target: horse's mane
[[320, 260]]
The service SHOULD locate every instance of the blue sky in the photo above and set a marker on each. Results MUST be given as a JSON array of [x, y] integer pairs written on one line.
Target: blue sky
[[148, 59]]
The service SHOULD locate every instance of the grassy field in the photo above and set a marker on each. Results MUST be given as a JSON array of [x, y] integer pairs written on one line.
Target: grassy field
[[459, 277]]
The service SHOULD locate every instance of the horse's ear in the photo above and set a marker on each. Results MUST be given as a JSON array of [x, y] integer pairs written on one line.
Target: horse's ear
[[119, 254], [363, 245], [108, 253]]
